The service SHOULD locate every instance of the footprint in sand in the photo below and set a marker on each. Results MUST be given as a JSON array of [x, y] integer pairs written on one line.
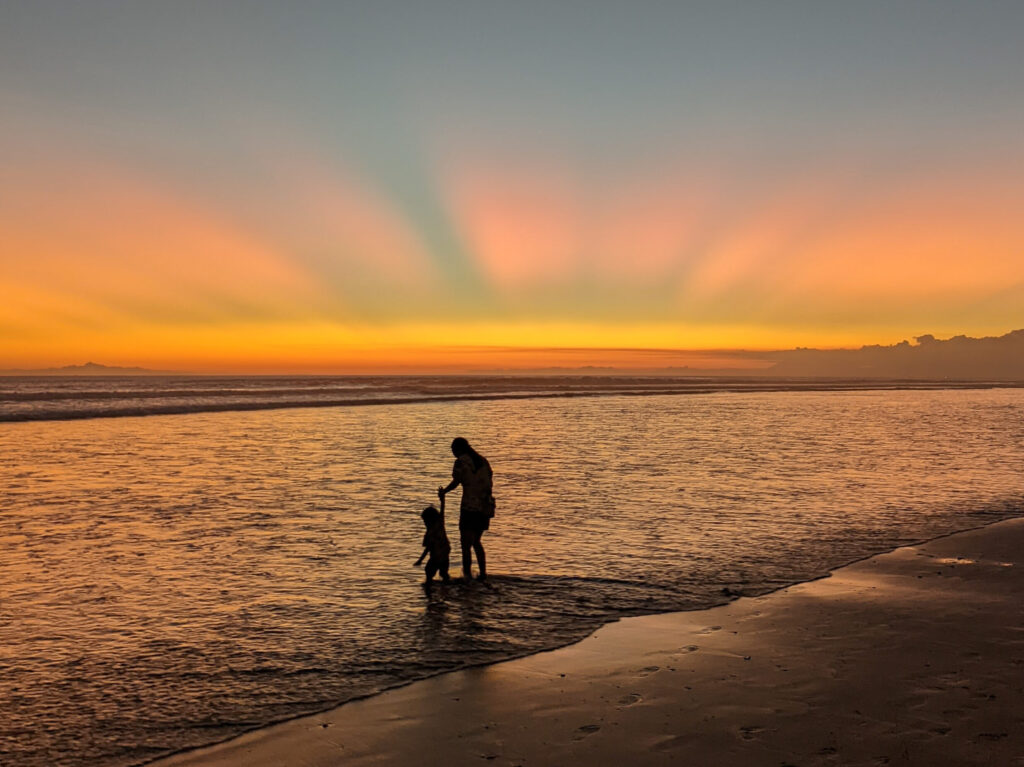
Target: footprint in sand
[[750, 732], [585, 730], [630, 700], [691, 648], [709, 629], [646, 670], [992, 735]]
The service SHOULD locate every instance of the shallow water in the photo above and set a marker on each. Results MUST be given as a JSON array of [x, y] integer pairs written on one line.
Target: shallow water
[[168, 581]]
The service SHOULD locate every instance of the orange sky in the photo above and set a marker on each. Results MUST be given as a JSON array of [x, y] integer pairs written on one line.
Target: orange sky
[[108, 264], [252, 207]]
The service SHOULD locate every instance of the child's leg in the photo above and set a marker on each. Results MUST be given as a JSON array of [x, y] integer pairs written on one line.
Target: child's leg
[[442, 567], [430, 569]]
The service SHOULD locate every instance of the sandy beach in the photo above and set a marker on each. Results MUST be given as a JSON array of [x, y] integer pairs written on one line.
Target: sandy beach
[[913, 657]]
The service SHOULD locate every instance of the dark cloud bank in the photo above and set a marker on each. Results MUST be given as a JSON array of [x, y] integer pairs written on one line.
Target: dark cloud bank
[[998, 358], [961, 358]]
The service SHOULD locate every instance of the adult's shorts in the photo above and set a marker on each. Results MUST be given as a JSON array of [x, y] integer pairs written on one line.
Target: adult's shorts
[[474, 521]]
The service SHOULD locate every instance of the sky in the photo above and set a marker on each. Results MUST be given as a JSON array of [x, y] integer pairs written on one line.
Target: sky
[[389, 187]]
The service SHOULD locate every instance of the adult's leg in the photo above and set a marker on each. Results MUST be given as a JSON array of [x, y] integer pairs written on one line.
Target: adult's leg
[[466, 542], [481, 557]]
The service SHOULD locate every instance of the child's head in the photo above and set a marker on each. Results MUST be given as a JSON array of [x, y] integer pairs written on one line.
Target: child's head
[[430, 516]]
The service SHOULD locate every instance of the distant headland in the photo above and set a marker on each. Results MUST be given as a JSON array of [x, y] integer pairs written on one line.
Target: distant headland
[[89, 369]]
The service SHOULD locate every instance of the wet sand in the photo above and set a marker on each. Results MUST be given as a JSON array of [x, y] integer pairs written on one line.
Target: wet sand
[[915, 657]]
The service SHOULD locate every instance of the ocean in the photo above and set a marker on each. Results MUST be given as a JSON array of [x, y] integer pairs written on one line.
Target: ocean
[[231, 552]]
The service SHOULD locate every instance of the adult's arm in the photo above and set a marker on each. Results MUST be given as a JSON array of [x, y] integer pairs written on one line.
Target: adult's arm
[[456, 480]]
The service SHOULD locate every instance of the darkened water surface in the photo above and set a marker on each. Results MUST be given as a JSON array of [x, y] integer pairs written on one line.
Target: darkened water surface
[[171, 580]]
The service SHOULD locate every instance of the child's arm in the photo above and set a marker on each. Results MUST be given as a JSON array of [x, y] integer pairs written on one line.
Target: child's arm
[[442, 506], [419, 561]]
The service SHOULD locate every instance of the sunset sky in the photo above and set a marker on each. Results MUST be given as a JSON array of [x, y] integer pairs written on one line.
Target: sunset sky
[[363, 186]]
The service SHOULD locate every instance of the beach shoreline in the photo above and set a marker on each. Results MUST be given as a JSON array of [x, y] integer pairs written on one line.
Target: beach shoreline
[[854, 668]]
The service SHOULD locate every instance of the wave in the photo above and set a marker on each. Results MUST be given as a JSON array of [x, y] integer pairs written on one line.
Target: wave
[[39, 400]]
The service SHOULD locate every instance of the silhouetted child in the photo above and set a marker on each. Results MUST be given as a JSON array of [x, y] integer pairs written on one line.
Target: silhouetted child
[[435, 543]]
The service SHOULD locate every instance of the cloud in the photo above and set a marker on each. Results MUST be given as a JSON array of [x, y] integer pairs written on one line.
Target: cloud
[[999, 358]]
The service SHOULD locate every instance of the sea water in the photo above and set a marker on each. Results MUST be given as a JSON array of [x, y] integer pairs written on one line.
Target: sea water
[[167, 581]]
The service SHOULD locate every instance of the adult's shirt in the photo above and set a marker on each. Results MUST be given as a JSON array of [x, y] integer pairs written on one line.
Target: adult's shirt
[[476, 483]]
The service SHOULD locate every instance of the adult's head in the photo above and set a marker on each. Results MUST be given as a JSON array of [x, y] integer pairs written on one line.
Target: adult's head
[[461, 447]]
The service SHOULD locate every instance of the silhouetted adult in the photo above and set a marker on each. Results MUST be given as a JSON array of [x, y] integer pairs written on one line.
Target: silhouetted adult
[[473, 472]]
